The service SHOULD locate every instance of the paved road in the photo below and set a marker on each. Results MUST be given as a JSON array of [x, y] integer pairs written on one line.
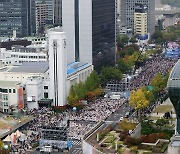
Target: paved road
[[76, 150], [119, 113]]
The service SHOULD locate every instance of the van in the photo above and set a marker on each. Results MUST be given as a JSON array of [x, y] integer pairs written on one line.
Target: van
[[46, 148]]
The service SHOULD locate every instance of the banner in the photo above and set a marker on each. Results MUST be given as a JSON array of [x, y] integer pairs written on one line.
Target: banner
[[20, 98]]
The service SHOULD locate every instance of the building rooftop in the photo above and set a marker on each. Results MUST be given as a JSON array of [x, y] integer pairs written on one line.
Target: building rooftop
[[56, 29], [9, 83], [3, 69], [76, 66], [31, 67]]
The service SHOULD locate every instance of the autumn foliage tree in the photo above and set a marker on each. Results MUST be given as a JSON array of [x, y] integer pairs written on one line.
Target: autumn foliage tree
[[138, 99]]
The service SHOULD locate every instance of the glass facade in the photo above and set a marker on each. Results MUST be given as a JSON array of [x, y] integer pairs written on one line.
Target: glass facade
[[103, 32], [14, 15], [76, 13], [173, 87], [174, 95]]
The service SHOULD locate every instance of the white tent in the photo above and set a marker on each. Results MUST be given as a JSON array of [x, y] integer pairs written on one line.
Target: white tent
[[7, 139], [18, 133]]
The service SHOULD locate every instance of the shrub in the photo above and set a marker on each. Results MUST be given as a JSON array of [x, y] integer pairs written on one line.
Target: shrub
[[123, 135], [130, 141], [152, 138], [125, 125], [102, 134], [134, 149]]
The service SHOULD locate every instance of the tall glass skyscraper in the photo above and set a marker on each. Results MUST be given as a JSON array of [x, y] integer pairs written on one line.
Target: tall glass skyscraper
[[103, 32], [90, 30], [14, 15], [57, 12]]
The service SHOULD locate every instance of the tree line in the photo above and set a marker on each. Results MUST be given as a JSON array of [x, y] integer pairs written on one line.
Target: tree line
[[143, 97]]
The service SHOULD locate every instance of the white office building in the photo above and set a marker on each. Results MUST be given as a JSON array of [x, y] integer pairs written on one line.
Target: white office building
[[19, 54], [63, 74], [9, 95], [45, 83]]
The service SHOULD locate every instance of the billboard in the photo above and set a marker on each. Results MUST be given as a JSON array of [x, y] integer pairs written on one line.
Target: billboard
[[20, 98]]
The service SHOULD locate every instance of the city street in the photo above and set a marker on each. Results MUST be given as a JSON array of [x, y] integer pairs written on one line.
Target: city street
[[119, 113]]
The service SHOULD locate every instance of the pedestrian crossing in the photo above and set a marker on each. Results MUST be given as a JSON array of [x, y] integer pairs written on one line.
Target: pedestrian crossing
[[76, 142]]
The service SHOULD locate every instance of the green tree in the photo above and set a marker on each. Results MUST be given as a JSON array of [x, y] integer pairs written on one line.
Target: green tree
[[161, 122], [148, 94], [122, 66], [121, 41], [110, 73], [72, 97], [133, 39], [80, 90], [1, 144], [157, 34], [159, 82], [92, 82], [169, 36], [146, 127]]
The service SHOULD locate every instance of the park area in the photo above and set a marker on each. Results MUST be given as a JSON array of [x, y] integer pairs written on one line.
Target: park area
[[165, 107], [147, 137], [7, 123]]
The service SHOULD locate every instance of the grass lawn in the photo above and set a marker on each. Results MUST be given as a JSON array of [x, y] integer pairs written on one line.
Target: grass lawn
[[110, 139], [3, 125], [25, 118], [163, 109], [9, 118]]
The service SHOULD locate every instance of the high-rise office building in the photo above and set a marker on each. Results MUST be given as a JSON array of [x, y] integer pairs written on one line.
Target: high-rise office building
[[50, 11], [14, 15], [57, 12], [140, 21], [41, 17], [90, 30], [33, 17], [128, 9]]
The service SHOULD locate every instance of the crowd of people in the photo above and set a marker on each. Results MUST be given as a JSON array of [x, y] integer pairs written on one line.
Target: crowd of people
[[78, 129], [158, 64], [44, 117], [82, 121], [22, 146], [99, 110]]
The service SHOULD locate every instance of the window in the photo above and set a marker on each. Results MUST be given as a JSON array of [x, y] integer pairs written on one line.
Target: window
[[9, 90], [6, 110], [45, 87], [45, 95], [5, 103], [14, 90]]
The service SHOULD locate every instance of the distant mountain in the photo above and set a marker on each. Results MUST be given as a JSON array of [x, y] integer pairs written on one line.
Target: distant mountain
[[175, 3]]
